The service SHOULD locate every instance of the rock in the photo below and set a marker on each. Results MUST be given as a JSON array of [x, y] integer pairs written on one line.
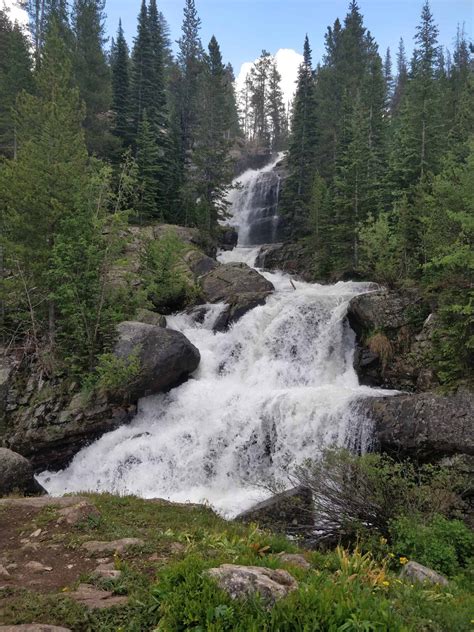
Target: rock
[[114, 546], [228, 237], [288, 512], [244, 581], [16, 475], [238, 285], [37, 567], [394, 339], [166, 357], [192, 236], [380, 311], [51, 442], [4, 574], [242, 304], [78, 513], [223, 283], [412, 571], [93, 598], [424, 426], [150, 318], [33, 627], [199, 263], [294, 559], [294, 258], [107, 571]]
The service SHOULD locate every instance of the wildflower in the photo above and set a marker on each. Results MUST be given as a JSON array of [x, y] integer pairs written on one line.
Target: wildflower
[[403, 560], [385, 583]]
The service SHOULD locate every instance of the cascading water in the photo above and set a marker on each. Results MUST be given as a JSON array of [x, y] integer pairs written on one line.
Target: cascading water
[[272, 391], [255, 204]]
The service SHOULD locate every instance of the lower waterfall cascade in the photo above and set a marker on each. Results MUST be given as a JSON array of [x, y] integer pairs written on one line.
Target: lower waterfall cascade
[[274, 390]]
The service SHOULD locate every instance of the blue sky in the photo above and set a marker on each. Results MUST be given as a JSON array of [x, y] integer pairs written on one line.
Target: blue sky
[[244, 27]]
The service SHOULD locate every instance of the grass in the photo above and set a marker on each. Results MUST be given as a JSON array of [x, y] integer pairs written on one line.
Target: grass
[[343, 591]]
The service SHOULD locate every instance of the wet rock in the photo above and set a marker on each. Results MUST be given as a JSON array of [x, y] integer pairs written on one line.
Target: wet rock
[[245, 581], [199, 263], [71, 423], [414, 572], [242, 304], [114, 546], [394, 340], [43, 501], [424, 426], [166, 357], [289, 512], [33, 627], [294, 258], [294, 559], [93, 598], [150, 318], [16, 475], [228, 238], [230, 279], [238, 285]]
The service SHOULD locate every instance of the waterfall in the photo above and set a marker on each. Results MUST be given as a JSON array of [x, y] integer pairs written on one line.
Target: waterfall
[[271, 392], [254, 202]]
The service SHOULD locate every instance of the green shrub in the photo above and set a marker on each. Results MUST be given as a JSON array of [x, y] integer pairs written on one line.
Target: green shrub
[[442, 544], [115, 374], [166, 282], [355, 494]]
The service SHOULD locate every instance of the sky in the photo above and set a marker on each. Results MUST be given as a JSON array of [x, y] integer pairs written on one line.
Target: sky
[[244, 27]]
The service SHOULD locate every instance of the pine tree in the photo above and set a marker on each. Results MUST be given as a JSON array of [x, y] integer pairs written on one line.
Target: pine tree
[[388, 76], [302, 149], [276, 110], [15, 76], [147, 156], [190, 57], [92, 73], [420, 132], [259, 94], [212, 170], [401, 79], [50, 169], [143, 72], [121, 87]]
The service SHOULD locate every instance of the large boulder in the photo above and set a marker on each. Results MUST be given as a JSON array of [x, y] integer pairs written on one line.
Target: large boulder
[[414, 572], [199, 263], [394, 333], [289, 512], [424, 426], [242, 582], [166, 357], [16, 475], [292, 257], [238, 285]]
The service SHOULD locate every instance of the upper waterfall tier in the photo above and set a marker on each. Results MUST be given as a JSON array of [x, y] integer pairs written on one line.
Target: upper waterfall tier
[[254, 205]]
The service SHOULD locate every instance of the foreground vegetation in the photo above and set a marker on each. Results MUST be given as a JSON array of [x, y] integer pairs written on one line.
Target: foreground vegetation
[[355, 587]]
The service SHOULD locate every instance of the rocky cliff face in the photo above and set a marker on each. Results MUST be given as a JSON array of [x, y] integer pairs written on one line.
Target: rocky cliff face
[[394, 340], [424, 426]]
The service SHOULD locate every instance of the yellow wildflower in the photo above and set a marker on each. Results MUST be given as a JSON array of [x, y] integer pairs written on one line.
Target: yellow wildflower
[[385, 583], [403, 560]]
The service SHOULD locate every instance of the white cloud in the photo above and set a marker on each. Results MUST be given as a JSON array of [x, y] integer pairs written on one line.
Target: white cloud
[[15, 12], [288, 62]]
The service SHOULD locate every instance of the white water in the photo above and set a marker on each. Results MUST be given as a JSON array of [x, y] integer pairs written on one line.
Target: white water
[[269, 393]]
